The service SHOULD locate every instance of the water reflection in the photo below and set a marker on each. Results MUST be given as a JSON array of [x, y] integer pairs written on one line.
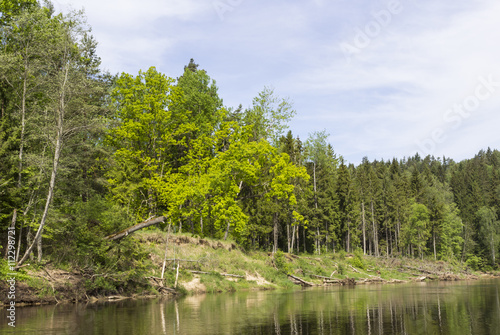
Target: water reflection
[[424, 308]]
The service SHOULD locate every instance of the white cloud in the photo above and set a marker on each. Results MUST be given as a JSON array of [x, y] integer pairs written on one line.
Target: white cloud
[[408, 76], [392, 94]]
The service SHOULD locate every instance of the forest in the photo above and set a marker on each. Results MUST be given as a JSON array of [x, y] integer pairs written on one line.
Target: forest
[[85, 153]]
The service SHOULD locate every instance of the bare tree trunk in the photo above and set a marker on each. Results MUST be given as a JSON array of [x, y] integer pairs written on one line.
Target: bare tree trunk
[[317, 241], [398, 233], [298, 239], [227, 230], [50, 194], [201, 224], [293, 238], [275, 232], [39, 249], [19, 240], [326, 239], [165, 257], [23, 127], [21, 149], [348, 247], [176, 275], [493, 249], [304, 238], [29, 240], [314, 185], [288, 241], [375, 234], [434, 243], [387, 239], [57, 154], [130, 230], [364, 226]]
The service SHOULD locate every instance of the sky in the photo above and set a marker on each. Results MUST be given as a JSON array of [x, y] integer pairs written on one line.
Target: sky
[[385, 78]]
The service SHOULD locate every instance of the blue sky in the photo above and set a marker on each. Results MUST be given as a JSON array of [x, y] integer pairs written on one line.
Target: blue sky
[[384, 78]]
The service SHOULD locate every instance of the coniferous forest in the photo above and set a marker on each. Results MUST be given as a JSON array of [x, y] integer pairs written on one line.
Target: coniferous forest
[[85, 153]]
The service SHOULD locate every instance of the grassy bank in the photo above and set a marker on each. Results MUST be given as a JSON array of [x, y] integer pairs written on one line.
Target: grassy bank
[[263, 270], [199, 265]]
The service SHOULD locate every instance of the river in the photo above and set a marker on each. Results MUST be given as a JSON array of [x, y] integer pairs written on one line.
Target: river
[[465, 307]]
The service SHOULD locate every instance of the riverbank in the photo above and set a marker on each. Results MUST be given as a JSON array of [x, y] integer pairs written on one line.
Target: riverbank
[[199, 265]]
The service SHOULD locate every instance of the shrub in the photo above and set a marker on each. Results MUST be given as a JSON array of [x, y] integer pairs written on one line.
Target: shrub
[[474, 262], [280, 262], [341, 269], [357, 261], [341, 255]]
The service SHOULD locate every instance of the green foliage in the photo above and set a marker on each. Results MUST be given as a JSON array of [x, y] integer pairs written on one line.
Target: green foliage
[[200, 99], [5, 272], [83, 230], [268, 116], [340, 255], [12, 8], [146, 128], [451, 233], [474, 262], [489, 230], [416, 233], [100, 285], [280, 262], [357, 261]]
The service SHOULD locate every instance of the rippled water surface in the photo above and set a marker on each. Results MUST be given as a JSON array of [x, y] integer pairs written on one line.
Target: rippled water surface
[[422, 308]]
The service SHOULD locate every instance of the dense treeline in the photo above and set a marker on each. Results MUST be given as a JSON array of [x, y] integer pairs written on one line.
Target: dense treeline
[[84, 153]]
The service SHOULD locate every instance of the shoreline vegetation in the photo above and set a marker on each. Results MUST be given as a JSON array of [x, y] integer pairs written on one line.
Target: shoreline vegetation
[[211, 266]]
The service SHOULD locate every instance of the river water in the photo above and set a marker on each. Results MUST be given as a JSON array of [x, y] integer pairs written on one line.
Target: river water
[[471, 307]]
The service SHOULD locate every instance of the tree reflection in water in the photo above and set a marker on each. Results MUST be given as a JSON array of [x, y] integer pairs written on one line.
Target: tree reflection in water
[[424, 308]]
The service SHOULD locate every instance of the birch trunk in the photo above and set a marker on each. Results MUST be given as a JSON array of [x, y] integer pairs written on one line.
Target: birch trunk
[[60, 109], [23, 127], [50, 194], [165, 257]]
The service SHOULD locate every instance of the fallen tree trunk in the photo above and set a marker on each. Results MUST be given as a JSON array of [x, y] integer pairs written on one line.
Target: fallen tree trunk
[[423, 270], [160, 287], [316, 276], [222, 274], [371, 280], [300, 280], [130, 230], [345, 282], [182, 260], [354, 269], [116, 298]]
